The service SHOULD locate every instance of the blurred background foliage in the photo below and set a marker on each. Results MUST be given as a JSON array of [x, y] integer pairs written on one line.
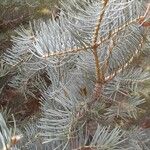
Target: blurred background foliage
[[19, 12], [13, 14]]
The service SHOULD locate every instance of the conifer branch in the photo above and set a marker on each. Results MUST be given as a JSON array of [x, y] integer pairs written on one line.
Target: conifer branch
[[110, 77], [66, 52], [115, 32], [73, 105], [99, 74]]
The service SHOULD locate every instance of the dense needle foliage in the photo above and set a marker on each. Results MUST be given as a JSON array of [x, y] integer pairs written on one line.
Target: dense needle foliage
[[80, 64]]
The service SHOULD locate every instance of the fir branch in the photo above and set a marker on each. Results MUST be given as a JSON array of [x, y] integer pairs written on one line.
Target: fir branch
[[110, 77], [99, 75], [105, 50]]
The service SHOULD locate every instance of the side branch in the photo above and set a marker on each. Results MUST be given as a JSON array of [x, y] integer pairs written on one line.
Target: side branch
[[92, 46], [115, 31], [65, 52], [110, 77]]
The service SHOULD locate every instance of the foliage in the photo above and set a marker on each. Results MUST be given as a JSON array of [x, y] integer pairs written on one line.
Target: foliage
[[87, 56]]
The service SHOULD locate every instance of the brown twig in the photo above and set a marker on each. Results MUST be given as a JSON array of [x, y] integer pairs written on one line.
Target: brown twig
[[99, 74]]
